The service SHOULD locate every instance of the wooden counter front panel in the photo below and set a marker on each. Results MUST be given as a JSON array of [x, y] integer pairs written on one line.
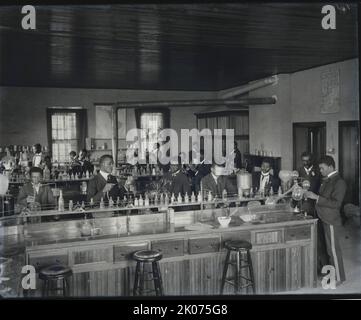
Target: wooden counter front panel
[[280, 264], [298, 233], [284, 269], [204, 245], [124, 252], [169, 247]]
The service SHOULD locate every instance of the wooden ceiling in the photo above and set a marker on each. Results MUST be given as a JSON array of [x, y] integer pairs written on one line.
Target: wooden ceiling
[[168, 47]]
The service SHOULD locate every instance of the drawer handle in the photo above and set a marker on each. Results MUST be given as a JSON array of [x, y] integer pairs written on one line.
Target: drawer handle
[[197, 247], [176, 248]]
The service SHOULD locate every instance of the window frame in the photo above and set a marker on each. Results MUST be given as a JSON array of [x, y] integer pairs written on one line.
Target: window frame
[[80, 123]]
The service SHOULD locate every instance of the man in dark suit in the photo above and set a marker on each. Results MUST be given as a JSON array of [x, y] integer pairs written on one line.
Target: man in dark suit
[[199, 170], [175, 180], [34, 192], [328, 205], [263, 180], [216, 182], [311, 173], [104, 185]]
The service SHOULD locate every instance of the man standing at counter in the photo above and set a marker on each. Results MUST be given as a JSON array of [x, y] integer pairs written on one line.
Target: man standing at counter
[[328, 205], [104, 185], [311, 173]]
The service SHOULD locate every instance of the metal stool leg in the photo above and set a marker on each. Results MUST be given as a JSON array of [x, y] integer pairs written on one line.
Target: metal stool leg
[[136, 279], [236, 280], [249, 258], [225, 269]]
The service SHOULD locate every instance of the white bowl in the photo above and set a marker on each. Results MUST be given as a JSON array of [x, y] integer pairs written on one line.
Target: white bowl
[[224, 221], [247, 217]]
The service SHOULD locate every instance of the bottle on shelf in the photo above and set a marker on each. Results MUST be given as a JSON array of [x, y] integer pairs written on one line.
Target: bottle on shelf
[[136, 202], [71, 205], [172, 199], [156, 199], [193, 197], [141, 202], [186, 198], [166, 199], [146, 200], [92, 203], [111, 202], [224, 195], [83, 205], [46, 173], [102, 206], [210, 197], [61, 201], [162, 198]]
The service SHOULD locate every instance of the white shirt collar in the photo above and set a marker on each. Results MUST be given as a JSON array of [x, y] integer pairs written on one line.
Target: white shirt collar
[[104, 175], [308, 170], [331, 174], [214, 177], [36, 187]]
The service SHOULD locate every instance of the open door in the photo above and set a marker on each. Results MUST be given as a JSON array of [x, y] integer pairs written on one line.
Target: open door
[[349, 159], [311, 137]]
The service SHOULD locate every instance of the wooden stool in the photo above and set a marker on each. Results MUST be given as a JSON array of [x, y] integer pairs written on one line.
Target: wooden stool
[[143, 258], [241, 249], [52, 274]]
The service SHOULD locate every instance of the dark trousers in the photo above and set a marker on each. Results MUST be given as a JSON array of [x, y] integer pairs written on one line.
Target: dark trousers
[[329, 251]]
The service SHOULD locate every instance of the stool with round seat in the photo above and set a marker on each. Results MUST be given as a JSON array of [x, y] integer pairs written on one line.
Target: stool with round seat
[[144, 258], [52, 275], [241, 250]]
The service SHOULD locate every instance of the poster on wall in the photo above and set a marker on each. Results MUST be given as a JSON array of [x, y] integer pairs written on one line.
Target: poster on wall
[[330, 87], [103, 128]]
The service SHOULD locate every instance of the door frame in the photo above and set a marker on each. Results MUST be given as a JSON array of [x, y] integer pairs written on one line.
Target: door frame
[[349, 123], [305, 125]]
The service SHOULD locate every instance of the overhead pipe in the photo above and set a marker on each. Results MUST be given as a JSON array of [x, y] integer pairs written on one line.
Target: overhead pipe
[[230, 93], [231, 103]]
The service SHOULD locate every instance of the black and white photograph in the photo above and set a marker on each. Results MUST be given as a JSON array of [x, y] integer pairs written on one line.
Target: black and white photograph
[[179, 149]]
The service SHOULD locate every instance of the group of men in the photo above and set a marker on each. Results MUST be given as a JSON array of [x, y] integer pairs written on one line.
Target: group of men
[[323, 200]]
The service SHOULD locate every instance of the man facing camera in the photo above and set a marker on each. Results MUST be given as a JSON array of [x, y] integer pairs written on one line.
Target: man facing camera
[[175, 180], [328, 205], [216, 182], [104, 185], [34, 192], [264, 180], [309, 172]]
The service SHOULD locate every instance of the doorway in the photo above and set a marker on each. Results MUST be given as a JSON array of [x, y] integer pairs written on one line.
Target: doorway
[[311, 137], [349, 159]]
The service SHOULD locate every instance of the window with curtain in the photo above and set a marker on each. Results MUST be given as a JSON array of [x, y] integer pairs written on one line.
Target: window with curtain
[[153, 120], [66, 132]]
